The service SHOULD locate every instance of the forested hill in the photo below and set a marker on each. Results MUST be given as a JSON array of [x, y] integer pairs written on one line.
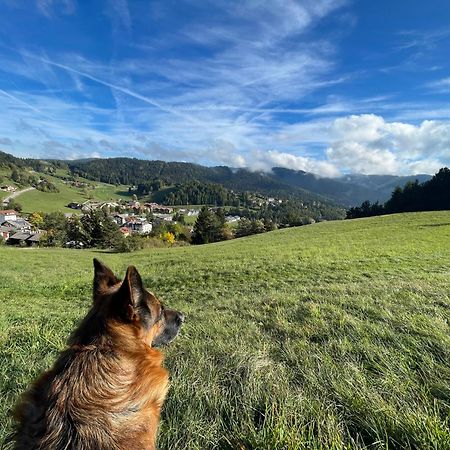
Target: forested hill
[[135, 171], [348, 190], [432, 195]]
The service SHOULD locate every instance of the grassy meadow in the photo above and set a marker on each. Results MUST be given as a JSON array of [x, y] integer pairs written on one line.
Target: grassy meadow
[[57, 201], [329, 336]]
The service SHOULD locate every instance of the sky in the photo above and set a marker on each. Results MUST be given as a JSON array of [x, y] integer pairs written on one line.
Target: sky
[[330, 87]]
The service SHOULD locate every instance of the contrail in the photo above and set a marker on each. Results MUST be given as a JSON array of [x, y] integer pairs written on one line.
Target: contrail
[[18, 100], [150, 101]]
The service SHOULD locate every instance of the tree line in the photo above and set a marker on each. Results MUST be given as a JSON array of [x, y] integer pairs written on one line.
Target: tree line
[[432, 195]]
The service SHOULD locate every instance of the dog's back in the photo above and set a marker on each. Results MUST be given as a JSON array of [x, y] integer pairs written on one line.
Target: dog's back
[[106, 390]]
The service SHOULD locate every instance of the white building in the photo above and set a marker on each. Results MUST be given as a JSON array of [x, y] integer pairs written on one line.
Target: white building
[[139, 226], [7, 214]]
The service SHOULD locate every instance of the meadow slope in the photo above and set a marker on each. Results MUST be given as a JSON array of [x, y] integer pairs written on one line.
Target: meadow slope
[[329, 336]]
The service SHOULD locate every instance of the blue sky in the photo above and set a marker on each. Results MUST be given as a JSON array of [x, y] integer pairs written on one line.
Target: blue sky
[[326, 86]]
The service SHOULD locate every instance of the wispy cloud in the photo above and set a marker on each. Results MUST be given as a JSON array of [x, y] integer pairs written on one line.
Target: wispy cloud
[[119, 14], [18, 100], [124, 90], [440, 86], [253, 84], [50, 8]]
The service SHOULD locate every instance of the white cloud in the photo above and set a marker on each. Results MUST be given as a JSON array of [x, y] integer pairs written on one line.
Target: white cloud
[[368, 144], [265, 160], [441, 86]]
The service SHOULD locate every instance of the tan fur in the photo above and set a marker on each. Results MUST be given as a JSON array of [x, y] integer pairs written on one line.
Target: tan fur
[[104, 394]]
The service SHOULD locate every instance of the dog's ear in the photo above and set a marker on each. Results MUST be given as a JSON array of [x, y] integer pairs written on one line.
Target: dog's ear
[[132, 292], [103, 277]]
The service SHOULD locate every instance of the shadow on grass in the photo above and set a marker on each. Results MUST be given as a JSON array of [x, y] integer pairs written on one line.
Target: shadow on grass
[[433, 225]]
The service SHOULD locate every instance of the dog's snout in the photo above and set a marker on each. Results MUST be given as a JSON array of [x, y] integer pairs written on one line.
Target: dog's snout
[[180, 318]]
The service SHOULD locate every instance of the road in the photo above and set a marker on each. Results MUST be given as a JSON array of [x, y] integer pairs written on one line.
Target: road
[[6, 200]]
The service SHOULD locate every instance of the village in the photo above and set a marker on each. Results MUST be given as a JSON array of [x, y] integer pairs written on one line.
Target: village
[[131, 217]]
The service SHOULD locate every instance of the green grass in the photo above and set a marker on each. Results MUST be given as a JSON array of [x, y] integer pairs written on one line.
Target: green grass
[[50, 202], [329, 336]]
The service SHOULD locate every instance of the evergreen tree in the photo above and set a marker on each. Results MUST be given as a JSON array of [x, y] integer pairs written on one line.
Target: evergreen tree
[[100, 230], [431, 195], [75, 230], [208, 227]]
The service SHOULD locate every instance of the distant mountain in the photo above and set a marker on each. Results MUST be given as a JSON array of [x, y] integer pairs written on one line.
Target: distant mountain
[[432, 195], [349, 190], [135, 171]]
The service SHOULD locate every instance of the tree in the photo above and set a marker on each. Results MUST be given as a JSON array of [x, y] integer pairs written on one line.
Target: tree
[[75, 230], [168, 237], [36, 219], [208, 227], [55, 224], [100, 230], [432, 195], [178, 217], [13, 204]]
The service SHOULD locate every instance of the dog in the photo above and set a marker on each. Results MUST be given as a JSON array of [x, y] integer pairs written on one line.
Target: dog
[[106, 390]]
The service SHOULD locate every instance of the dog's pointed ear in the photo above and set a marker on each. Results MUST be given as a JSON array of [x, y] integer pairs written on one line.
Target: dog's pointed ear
[[103, 277], [132, 290]]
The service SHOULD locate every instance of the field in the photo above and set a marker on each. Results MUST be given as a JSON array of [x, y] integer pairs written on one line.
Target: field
[[49, 202], [329, 336]]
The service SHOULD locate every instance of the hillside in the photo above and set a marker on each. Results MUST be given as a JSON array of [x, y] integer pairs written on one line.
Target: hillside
[[66, 191], [348, 190], [329, 336], [58, 201]]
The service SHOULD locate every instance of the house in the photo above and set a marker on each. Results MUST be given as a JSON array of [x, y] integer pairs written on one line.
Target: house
[[232, 219], [25, 238], [133, 204], [7, 214], [8, 188], [157, 208], [109, 205], [120, 219], [193, 212], [17, 225], [139, 226], [34, 239], [90, 205]]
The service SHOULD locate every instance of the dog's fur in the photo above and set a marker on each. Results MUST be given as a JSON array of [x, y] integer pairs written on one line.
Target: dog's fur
[[106, 390]]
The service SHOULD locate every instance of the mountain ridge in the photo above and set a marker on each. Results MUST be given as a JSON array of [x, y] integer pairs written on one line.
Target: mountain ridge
[[347, 190]]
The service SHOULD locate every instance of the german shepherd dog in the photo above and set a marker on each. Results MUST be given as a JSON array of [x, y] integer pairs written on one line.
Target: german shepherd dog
[[106, 390]]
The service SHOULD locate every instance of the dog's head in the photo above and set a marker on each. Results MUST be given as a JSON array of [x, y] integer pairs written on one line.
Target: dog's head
[[128, 302]]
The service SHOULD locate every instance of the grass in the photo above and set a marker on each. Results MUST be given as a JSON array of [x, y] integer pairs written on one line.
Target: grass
[[329, 336], [50, 202]]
